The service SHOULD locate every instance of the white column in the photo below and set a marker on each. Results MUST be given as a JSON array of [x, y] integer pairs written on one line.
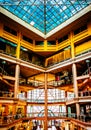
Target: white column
[[74, 80], [75, 88], [17, 71]]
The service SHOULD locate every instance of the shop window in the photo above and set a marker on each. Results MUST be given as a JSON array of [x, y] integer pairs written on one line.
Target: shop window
[[63, 38], [9, 30], [27, 39], [51, 43], [77, 31], [24, 54], [8, 47], [39, 43]]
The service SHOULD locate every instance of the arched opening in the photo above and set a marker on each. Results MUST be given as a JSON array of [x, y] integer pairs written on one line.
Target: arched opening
[[42, 113]]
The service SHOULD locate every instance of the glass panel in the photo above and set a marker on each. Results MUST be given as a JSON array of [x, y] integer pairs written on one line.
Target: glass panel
[[44, 15]]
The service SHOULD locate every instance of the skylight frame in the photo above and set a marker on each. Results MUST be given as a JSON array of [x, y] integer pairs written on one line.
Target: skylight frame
[[45, 26]]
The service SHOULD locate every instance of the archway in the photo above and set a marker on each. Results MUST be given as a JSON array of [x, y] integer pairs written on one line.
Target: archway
[[41, 113]]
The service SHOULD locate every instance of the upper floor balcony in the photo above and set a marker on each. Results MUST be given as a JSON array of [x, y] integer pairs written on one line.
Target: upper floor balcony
[[83, 97], [83, 120]]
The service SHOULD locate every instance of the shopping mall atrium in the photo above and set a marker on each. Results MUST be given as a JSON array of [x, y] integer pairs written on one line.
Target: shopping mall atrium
[[45, 64]]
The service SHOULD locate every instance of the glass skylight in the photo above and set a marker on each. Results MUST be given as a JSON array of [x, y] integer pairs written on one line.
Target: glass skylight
[[44, 15]]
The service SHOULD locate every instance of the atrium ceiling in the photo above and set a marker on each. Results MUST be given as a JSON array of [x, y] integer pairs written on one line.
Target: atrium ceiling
[[44, 15]]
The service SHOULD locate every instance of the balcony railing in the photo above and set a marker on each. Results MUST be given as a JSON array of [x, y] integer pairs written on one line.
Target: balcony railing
[[6, 94], [62, 115], [55, 100], [85, 93], [43, 100], [35, 83]]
